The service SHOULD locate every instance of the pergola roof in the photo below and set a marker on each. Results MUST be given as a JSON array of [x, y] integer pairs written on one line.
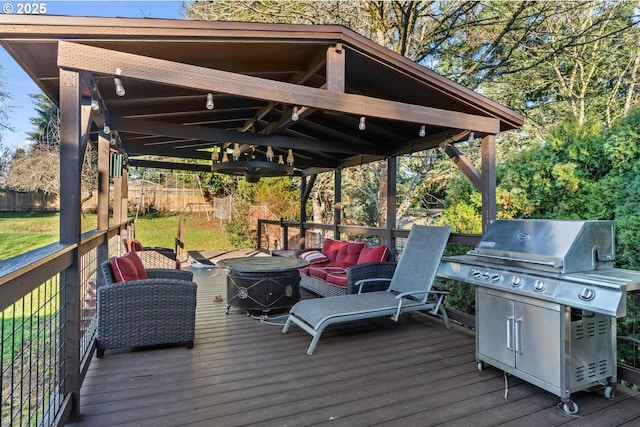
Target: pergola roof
[[257, 73]]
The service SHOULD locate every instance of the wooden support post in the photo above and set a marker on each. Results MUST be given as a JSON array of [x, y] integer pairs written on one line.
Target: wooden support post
[[392, 173], [488, 148], [337, 207], [335, 69], [70, 233]]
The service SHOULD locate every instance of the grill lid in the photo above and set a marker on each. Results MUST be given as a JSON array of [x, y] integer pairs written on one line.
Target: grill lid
[[557, 245]]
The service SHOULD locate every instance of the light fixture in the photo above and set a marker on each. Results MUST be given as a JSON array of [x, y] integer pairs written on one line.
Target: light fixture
[[362, 125], [210, 103], [294, 114], [253, 169], [95, 105], [119, 87], [422, 132], [106, 130], [270, 154], [472, 136], [236, 151]]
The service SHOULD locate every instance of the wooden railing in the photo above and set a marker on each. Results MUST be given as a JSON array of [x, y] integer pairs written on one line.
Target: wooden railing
[[48, 328]]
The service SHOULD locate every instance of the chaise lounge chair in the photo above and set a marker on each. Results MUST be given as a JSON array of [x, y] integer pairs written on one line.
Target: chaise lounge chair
[[410, 289]]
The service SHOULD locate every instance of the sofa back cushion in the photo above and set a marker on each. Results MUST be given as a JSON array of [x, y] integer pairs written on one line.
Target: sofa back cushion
[[127, 267], [374, 254], [330, 248], [348, 254]]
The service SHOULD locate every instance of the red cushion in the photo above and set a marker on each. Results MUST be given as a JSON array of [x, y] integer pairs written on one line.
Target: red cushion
[[304, 270], [339, 279], [348, 254], [127, 267], [317, 271], [374, 254], [135, 246], [330, 248]]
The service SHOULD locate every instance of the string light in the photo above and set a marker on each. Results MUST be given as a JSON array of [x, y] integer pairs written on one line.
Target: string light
[[294, 114], [270, 154], [119, 87], [362, 125], [209, 103], [290, 157], [106, 130], [423, 131], [95, 105]]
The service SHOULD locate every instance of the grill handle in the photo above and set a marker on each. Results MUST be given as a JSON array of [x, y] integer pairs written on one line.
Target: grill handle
[[516, 330], [552, 263], [509, 334]]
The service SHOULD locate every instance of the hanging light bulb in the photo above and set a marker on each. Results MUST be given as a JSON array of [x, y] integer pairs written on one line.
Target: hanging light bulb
[[119, 87], [294, 114], [95, 105], [106, 130], [269, 154], [214, 155], [225, 158], [290, 157], [423, 131], [210, 103], [236, 151], [280, 160], [362, 125], [472, 136]]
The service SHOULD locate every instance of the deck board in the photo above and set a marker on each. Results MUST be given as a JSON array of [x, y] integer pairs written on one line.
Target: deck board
[[245, 372]]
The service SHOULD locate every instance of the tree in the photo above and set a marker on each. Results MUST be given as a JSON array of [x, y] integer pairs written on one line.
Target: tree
[[5, 106], [38, 168]]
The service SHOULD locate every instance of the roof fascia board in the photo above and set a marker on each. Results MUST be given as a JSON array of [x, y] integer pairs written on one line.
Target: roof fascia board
[[104, 61]]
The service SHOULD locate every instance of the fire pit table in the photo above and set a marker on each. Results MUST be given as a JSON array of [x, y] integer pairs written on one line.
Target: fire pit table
[[262, 283]]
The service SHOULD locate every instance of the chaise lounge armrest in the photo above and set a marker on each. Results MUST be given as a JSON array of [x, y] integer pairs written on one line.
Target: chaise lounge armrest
[[370, 270]]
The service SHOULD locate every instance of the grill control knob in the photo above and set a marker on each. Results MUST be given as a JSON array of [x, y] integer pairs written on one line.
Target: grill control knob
[[476, 274], [517, 281], [540, 286], [587, 294], [496, 277]]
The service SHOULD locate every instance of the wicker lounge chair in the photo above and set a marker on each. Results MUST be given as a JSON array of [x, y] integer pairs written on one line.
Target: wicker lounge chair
[[153, 311], [410, 289]]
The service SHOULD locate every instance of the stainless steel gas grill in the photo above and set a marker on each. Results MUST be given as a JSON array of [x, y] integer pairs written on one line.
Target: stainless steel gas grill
[[547, 299]]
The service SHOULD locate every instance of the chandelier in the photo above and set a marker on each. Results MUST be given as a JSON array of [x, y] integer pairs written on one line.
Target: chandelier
[[248, 165]]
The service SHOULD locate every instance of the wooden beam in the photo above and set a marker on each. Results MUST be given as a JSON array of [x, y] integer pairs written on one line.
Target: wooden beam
[[104, 61], [335, 69], [169, 165], [217, 136], [464, 165]]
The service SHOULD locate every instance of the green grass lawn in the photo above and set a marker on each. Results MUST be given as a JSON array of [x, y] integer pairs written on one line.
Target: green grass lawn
[[22, 232]]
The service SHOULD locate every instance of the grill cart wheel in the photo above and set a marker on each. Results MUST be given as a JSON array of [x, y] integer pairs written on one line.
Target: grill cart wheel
[[610, 391], [570, 407]]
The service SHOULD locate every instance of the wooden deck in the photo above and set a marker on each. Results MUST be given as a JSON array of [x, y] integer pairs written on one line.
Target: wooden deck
[[242, 372]]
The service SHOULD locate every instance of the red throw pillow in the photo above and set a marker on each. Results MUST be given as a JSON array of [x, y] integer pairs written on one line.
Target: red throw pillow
[[137, 262], [123, 269], [127, 267], [374, 254], [135, 246]]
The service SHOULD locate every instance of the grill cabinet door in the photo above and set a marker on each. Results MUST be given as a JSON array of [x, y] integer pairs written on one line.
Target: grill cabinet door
[[495, 328], [538, 342]]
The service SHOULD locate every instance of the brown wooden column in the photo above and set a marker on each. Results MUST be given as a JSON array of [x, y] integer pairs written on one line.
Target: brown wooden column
[[70, 232], [103, 182], [392, 173], [488, 183], [337, 207]]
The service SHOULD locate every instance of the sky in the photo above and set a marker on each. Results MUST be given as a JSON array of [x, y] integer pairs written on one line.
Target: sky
[[19, 85]]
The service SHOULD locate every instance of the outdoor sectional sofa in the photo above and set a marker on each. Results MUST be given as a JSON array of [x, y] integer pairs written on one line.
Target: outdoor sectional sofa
[[336, 267]]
